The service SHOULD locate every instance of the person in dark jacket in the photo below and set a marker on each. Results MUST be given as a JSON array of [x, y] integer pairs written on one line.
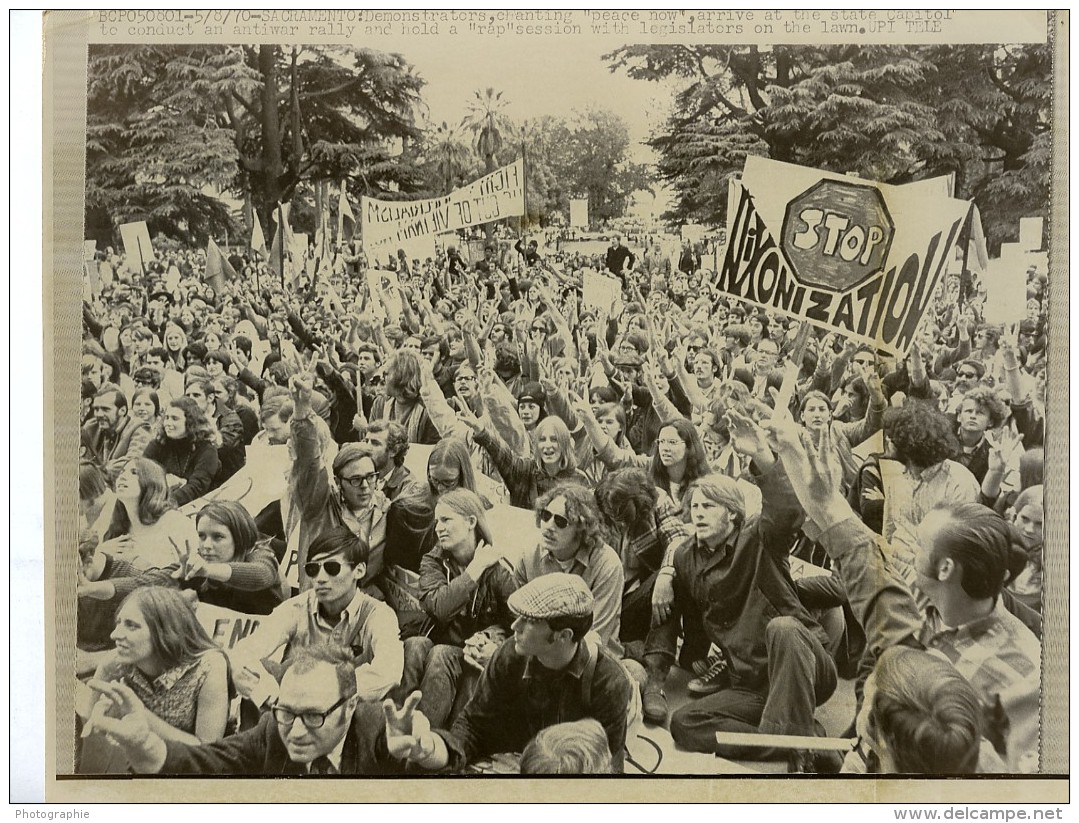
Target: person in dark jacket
[[733, 589], [232, 567], [318, 726], [185, 449], [465, 584]]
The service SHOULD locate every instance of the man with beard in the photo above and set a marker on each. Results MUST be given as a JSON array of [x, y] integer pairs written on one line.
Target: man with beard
[[113, 437]]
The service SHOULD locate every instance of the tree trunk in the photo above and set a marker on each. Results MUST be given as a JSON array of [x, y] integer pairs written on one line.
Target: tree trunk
[[272, 167], [489, 228]]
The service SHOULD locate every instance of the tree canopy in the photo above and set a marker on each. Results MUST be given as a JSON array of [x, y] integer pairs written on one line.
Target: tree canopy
[[172, 128], [889, 113]]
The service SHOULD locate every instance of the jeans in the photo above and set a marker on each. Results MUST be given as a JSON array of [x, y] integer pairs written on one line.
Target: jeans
[[801, 676], [437, 672]]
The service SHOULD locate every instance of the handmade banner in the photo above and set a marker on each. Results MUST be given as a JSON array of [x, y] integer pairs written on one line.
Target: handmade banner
[[261, 481], [388, 225], [225, 626], [858, 258], [600, 292], [578, 213], [137, 246]]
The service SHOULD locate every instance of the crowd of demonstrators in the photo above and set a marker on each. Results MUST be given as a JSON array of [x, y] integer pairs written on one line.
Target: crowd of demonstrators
[[685, 459]]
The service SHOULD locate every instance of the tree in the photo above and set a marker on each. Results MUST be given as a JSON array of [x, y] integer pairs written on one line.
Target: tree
[[489, 124], [889, 113], [156, 149], [448, 159], [171, 128]]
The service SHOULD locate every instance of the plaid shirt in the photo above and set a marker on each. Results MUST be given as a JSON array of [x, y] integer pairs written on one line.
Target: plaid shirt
[[997, 653], [1000, 657]]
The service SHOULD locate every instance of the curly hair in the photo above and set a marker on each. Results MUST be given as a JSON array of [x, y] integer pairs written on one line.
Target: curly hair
[[626, 498], [197, 426], [396, 438], [581, 510], [986, 400], [921, 435]]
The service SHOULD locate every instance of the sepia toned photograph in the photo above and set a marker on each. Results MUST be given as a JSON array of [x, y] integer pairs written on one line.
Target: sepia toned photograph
[[672, 399]]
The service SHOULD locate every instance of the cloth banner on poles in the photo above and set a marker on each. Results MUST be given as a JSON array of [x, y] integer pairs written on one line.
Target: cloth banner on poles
[[258, 239], [388, 225], [858, 258], [346, 220], [218, 269], [137, 246]]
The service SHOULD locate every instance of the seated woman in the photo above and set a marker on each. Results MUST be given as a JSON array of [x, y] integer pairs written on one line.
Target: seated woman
[[464, 585], [232, 567], [185, 447], [554, 460], [169, 661], [410, 532], [1028, 514], [145, 529]]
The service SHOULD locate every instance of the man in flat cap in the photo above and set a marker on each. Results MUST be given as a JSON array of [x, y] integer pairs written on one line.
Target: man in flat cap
[[547, 673]]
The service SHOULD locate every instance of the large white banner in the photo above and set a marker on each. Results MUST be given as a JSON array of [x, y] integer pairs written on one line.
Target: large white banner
[[388, 225], [578, 213], [859, 258]]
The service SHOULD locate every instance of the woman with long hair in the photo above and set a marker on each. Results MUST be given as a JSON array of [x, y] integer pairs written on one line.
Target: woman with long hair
[[186, 448], [145, 523], [165, 661], [554, 459], [410, 530], [175, 340], [232, 567], [465, 584]]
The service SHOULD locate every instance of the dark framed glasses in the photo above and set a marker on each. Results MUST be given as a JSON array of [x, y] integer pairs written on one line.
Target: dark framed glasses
[[311, 719], [332, 567], [560, 520], [360, 480], [442, 486], [967, 375]]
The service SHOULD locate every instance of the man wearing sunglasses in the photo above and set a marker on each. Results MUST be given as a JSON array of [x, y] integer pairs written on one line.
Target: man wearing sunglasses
[[333, 610], [549, 672], [319, 726], [572, 540]]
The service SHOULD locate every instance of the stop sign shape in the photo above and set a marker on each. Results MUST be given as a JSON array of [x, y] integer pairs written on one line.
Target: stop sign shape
[[836, 234]]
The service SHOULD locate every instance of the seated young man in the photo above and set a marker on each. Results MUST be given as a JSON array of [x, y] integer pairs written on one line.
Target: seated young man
[[334, 610], [547, 673]]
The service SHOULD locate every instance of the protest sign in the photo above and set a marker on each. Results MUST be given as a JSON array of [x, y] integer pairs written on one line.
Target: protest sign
[[225, 626], [261, 481], [1030, 233], [858, 258], [578, 213], [137, 245], [1005, 281], [388, 225], [89, 249], [384, 282], [600, 291]]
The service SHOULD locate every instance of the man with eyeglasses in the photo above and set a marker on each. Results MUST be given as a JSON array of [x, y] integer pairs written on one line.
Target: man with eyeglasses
[[571, 540], [319, 726], [549, 672], [335, 610], [353, 498]]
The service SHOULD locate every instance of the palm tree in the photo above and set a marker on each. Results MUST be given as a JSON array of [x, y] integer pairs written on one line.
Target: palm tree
[[488, 124], [449, 156]]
